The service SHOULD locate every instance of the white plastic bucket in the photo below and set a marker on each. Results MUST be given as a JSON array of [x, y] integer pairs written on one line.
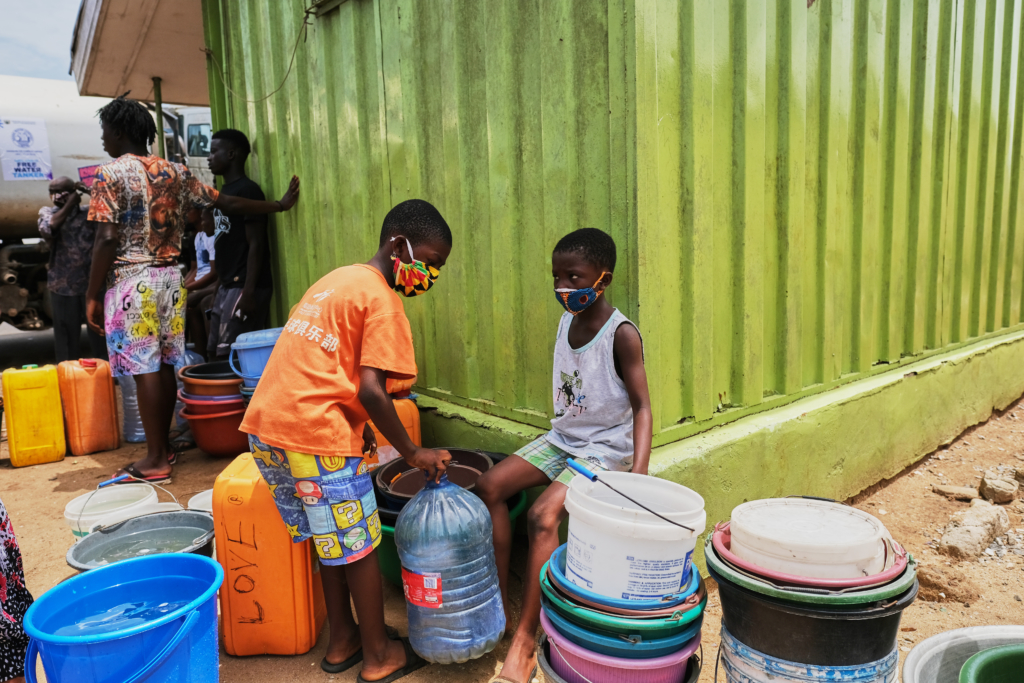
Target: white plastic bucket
[[104, 503], [938, 659], [742, 664], [133, 512], [202, 501], [812, 538], [619, 550]]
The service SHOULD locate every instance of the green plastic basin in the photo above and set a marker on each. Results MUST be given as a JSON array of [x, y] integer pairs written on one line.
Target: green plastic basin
[[897, 587], [387, 551], [1004, 664]]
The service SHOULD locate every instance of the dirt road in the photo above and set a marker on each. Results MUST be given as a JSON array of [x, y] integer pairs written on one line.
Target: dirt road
[[993, 586]]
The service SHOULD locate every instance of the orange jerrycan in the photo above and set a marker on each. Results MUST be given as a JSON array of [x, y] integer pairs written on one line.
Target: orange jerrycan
[[87, 390], [409, 414], [272, 599], [35, 426]]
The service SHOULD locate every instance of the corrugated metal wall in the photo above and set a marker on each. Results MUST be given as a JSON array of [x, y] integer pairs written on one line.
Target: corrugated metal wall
[[513, 118], [823, 192], [801, 196]]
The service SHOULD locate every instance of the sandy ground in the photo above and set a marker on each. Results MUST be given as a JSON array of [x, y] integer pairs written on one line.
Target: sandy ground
[[988, 590]]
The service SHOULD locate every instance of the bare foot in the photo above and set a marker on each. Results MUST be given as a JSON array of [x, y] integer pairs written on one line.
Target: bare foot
[[343, 649], [520, 661], [394, 659]]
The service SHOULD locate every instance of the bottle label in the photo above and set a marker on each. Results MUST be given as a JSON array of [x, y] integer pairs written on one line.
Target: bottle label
[[422, 590]]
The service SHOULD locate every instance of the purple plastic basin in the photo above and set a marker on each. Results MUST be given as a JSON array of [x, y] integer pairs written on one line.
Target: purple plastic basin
[[579, 665]]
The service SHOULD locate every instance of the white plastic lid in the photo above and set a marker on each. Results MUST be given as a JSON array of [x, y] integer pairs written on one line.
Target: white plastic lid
[[809, 528], [202, 501]]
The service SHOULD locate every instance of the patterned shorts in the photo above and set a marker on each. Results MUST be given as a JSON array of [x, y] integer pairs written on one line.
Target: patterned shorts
[[550, 459], [327, 498], [145, 321]]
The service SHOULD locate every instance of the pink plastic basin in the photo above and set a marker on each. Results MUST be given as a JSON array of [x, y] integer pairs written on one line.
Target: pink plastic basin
[[722, 540], [578, 665], [207, 407]]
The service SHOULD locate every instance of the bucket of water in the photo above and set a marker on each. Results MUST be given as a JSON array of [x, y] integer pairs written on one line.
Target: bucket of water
[[253, 349], [151, 619], [618, 549], [83, 512], [183, 531]]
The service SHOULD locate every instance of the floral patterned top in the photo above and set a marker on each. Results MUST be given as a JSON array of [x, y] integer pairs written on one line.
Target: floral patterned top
[[149, 198], [70, 251]]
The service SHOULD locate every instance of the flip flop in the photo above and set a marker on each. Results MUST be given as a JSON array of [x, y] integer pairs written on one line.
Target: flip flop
[[151, 478], [355, 658], [413, 662], [503, 679]]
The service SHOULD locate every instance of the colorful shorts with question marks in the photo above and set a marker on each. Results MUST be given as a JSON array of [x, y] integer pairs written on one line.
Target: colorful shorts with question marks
[[326, 498]]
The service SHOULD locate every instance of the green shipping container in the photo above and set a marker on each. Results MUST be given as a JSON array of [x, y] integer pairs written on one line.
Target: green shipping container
[[801, 196]]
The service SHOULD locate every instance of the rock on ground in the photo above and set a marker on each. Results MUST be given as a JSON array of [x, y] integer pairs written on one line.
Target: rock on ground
[[998, 490], [946, 585], [956, 492], [970, 531]]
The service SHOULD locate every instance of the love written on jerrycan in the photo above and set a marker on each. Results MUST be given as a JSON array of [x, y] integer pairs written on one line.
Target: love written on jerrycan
[[35, 425], [272, 600]]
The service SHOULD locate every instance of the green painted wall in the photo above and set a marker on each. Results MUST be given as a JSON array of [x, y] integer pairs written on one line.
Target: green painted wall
[[802, 197]]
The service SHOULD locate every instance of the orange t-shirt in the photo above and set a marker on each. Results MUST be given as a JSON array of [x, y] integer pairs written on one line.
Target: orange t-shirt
[[308, 397]]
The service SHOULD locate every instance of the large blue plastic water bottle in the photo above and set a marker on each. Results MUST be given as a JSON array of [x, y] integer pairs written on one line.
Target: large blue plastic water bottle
[[451, 582]]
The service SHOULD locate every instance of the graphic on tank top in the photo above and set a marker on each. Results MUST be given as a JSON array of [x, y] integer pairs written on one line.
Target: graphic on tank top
[[570, 396]]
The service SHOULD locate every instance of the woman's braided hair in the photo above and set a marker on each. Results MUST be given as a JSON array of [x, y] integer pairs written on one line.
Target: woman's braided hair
[[129, 118]]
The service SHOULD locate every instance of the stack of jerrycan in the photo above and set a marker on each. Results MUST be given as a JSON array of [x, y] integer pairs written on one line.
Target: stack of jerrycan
[[272, 600], [87, 390], [35, 425]]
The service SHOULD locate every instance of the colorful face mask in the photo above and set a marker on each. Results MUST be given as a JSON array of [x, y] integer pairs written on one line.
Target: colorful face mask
[[413, 279], [575, 301]]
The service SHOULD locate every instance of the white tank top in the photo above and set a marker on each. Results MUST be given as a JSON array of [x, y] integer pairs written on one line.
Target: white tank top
[[593, 417]]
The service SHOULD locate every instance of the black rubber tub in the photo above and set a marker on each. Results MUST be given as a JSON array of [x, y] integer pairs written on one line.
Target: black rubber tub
[[812, 634], [390, 474], [220, 369]]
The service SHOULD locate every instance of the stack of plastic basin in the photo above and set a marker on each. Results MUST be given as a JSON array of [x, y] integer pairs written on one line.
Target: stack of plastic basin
[[253, 350], [214, 408], [621, 600], [809, 588]]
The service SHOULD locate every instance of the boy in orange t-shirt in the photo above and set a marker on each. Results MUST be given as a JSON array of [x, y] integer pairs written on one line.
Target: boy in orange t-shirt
[[308, 426]]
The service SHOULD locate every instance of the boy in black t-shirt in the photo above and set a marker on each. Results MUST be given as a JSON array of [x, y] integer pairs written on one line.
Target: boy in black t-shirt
[[242, 304]]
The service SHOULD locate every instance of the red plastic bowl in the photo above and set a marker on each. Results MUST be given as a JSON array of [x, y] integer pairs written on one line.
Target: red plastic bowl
[[209, 407], [722, 540], [217, 433]]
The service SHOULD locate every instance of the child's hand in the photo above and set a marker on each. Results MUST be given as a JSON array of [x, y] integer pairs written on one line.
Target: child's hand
[[369, 441], [433, 462]]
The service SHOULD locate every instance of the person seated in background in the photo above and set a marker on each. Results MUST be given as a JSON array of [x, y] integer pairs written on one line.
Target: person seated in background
[[201, 282], [602, 418], [66, 229], [242, 302]]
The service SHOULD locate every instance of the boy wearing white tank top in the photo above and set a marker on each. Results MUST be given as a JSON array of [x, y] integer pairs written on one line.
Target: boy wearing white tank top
[[602, 417]]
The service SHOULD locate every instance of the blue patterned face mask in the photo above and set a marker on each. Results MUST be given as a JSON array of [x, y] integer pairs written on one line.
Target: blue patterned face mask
[[575, 301]]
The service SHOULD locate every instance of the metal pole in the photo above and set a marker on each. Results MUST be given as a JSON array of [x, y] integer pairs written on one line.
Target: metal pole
[[159, 117]]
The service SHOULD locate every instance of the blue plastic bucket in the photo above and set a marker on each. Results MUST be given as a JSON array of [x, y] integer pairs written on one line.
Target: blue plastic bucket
[[254, 349], [179, 646]]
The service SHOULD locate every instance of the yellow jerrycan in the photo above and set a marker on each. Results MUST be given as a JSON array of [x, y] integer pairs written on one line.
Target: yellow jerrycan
[[35, 423]]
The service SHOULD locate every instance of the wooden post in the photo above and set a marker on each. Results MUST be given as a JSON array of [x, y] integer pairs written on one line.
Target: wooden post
[[159, 117]]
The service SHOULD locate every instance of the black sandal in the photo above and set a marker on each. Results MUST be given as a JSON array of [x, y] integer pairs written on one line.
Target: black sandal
[[355, 658], [413, 662], [139, 476]]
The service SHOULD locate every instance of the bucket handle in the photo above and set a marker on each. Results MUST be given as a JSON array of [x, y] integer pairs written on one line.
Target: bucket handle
[[234, 368], [186, 628]]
